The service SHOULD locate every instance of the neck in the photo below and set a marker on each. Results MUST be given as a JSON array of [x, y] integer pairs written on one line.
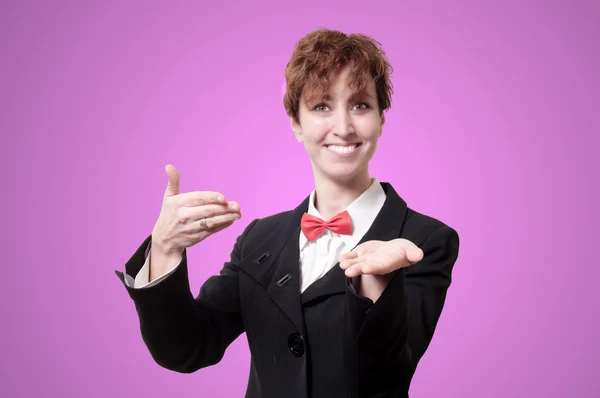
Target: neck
[[332, 197]]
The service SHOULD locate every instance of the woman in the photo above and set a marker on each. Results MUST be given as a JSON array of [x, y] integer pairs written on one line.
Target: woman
[[338, 308]]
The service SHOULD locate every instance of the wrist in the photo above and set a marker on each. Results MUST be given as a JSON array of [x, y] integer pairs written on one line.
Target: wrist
[[164, 249], [162, 261], [372, 286]]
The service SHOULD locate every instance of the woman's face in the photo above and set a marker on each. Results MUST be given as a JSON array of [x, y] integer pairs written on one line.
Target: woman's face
[[340, 131]]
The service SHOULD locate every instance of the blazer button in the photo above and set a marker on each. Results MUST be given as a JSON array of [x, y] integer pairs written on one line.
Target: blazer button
[[296, 344]]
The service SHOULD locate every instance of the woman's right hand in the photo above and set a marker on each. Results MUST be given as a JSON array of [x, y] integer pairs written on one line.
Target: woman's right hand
[[186, 219]]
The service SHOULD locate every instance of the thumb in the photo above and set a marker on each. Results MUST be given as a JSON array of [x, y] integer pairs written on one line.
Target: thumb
[[173, 184], [413, 253]]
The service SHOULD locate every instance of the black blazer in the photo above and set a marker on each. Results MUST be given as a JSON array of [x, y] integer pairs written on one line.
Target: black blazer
[[327, 342]]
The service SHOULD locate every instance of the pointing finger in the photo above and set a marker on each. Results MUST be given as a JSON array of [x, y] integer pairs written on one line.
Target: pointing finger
[[199, 198]]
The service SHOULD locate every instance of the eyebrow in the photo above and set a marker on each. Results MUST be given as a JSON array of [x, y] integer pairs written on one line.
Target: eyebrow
[[353, 97]]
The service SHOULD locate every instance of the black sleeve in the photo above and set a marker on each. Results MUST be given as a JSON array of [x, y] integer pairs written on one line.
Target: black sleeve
[[427, 283], [181, 332], [386, 339]]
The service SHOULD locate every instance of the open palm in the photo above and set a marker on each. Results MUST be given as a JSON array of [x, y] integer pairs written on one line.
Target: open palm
[[378, 257]]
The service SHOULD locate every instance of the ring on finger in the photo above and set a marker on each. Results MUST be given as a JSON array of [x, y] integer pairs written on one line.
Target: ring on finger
[[203, 224]]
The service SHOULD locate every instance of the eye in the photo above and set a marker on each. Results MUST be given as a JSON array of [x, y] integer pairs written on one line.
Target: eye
[[320, 107], [362, 105]]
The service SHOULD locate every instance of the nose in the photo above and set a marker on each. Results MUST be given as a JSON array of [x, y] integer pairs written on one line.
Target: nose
[[343, 124]]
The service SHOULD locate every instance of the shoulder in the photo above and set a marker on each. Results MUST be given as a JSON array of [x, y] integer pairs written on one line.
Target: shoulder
[[419, 228], [260, 228]]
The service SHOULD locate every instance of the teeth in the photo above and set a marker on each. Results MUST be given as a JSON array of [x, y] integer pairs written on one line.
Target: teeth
[[342, 149]]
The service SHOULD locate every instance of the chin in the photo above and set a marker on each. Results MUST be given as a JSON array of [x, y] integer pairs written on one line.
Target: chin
[[341, 174]]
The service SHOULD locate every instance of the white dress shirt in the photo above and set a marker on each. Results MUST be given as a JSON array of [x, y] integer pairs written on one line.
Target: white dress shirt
[[316, 257]]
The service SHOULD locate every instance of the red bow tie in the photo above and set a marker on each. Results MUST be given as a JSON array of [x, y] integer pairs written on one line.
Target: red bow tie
[[314, 226]]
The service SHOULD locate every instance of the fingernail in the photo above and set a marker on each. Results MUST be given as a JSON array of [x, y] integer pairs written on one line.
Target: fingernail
[[219, 198]]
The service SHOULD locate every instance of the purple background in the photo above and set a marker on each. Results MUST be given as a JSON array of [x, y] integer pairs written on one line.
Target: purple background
[[493, 130]]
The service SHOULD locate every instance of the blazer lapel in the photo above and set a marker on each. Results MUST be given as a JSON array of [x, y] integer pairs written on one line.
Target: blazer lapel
[[387, 226], [275, 265], [389, 222]]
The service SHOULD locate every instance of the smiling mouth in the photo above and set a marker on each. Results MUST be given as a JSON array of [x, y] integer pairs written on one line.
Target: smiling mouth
[[343, 149]]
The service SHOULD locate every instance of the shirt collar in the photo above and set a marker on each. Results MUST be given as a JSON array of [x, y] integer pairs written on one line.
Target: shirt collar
[[362, 210]]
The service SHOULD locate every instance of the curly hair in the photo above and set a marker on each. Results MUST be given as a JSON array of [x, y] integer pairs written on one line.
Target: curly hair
[[324, 52]]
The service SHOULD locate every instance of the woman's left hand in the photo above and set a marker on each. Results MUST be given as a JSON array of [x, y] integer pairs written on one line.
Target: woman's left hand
[[376, 257]]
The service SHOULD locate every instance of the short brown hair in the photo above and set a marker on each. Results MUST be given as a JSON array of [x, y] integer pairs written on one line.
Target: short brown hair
[[323, 52]]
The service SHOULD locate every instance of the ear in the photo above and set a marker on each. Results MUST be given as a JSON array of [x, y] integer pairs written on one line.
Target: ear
[[297, 129], [382, 123]]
